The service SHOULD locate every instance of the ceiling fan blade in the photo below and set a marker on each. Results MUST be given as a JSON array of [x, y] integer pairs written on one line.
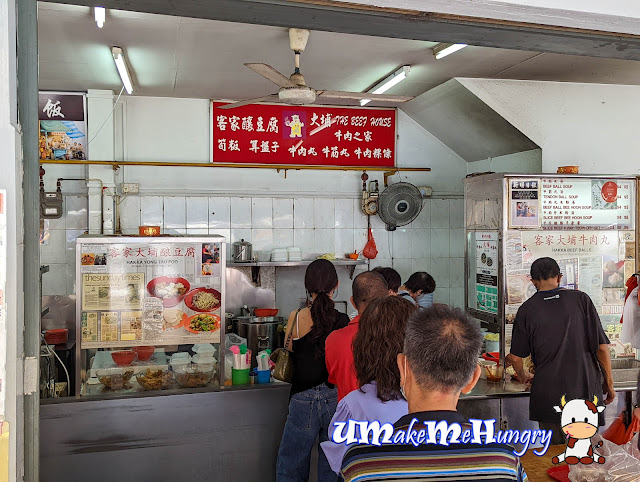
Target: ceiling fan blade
[[266, 98], [339, 94], [271, 74]]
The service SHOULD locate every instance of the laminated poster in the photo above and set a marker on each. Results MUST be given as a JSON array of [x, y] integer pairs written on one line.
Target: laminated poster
[[569, 270], [510, 312], [109, 326], [524, 203], [131, 325], [117, 291], [513, 244], [590, 272], [89, 326], [487, 271], [519, 287]]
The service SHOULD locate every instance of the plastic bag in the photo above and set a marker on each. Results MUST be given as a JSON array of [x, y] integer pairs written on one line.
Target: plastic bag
[[622, 463], [617, 432], [231, 339], [370, 250]]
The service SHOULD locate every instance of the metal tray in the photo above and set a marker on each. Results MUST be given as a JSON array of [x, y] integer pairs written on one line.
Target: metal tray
[[625, 369]]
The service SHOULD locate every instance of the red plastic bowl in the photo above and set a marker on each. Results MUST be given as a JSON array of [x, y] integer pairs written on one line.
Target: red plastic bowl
[[266, 312], [144, 352], [123, 358], [494, 356], [189, 299], [56, 337], [168, 302]]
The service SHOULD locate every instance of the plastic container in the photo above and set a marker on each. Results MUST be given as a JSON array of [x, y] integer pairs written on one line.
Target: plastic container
[[262, 312], [156, 377], [206, 349], [485, 363], [56, 337], [192, 376], [115, 378], [123, 358], [491, 346], [494, 373], [204, 360], [240, 377], [263, 376], [144, 352]]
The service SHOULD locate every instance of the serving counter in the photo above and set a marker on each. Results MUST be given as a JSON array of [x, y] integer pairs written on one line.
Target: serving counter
[[232, 433]]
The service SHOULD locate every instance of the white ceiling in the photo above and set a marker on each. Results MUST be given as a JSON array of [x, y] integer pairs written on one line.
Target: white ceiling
[[185, 57]]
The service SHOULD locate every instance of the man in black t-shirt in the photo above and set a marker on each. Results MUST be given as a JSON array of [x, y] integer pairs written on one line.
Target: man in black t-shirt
[[562, 332]]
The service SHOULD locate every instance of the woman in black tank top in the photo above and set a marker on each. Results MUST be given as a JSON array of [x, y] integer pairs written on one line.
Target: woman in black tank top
[[312, 400]]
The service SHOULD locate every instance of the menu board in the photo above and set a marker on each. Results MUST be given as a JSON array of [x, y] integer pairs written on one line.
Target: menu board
[[296, 134], [165, 292], [487, 271], [571, 204]]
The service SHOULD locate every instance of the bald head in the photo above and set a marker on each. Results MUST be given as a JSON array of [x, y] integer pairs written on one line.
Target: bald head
[[366, 287]]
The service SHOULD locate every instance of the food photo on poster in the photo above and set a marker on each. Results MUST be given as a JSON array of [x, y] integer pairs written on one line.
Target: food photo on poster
[[62, 126]]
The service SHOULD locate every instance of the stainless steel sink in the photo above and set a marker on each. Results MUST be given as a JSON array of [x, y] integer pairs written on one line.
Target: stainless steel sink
[[625, 369]]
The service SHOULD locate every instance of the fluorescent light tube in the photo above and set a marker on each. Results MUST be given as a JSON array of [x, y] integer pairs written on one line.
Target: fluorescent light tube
[[388, 82], [118, 57], [442, 50], [101, 15]]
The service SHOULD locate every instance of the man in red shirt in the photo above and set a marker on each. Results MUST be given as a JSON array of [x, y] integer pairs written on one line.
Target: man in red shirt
[[366, 287]]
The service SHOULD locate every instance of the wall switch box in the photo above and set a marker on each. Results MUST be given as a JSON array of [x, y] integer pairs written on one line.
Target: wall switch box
[[130, 188]]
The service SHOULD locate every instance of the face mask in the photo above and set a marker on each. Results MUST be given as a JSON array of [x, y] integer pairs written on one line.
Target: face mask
[[405, 378], [425, 300]]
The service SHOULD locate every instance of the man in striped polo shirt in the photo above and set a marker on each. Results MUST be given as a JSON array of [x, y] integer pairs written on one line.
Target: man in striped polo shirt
[[440, 361]]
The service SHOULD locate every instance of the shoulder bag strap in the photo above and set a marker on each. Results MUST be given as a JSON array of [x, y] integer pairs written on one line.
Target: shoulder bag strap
[[286, 344]]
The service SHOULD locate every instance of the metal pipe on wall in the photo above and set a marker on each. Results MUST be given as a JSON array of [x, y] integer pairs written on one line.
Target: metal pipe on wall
[[27, 51], [278, 167]]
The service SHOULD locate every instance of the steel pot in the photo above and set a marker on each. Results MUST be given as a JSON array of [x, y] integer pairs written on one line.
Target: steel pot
[[241, 251], [261, 333]]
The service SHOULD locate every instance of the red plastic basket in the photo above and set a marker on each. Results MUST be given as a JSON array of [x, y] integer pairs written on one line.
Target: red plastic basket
[[56, 337]]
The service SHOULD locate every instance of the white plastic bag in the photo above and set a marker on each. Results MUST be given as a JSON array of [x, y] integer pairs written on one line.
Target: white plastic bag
[[231, 339], [622, 463]]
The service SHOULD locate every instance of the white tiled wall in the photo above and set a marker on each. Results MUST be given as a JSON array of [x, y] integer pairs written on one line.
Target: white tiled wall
[[434, 242]]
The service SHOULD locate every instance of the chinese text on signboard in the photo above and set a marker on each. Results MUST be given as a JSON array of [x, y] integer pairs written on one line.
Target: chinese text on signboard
[[315, 135]]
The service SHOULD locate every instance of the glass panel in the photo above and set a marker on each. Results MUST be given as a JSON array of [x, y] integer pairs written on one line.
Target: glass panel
[[150, 314]]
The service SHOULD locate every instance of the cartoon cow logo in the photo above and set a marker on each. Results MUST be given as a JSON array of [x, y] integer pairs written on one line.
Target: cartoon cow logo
[[579, 422]]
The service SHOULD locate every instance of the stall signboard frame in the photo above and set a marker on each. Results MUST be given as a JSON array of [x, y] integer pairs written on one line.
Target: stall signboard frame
[[315, 135], [148, 291]]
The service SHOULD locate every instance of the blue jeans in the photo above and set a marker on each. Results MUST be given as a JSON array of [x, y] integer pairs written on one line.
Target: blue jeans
[[310, 413]]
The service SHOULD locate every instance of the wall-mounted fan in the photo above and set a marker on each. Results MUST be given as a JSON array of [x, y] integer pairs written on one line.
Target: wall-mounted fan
[[399, 204], [294, 90]]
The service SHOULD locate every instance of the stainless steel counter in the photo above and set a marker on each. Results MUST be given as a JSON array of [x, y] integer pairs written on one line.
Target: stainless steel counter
[[510, 388], [228, 434]]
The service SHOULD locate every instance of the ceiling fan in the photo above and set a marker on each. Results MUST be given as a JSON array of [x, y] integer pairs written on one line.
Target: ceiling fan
[[294, 90]]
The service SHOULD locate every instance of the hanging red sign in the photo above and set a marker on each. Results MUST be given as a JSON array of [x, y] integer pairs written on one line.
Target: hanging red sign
[[308, 135]]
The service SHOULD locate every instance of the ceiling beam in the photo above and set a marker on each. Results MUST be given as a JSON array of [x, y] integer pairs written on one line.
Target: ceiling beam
[[364, 20]]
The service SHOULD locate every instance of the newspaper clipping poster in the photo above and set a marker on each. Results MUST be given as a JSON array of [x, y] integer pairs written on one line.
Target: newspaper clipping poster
[[121, 291]]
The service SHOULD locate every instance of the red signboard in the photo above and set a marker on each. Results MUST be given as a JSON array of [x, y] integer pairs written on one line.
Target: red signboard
[[309, 135]]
